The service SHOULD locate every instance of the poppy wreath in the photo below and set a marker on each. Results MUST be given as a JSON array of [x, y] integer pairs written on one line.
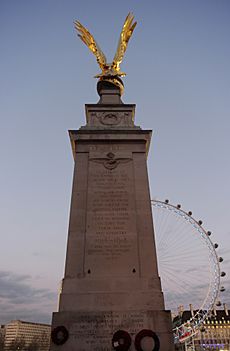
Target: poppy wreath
[[121, 340], [142, 334], [59, 335]]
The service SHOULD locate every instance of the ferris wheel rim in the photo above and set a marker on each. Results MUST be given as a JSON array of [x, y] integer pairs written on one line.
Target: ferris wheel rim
[[214, 285]]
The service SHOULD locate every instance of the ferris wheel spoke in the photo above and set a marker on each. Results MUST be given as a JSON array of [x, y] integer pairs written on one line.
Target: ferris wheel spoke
[[170, 239], [163, 232], [188, 255], [179, 234], [185, 281], [162, 224]]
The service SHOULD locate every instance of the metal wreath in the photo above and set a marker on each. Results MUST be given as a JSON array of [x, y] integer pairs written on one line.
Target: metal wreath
[[126, 340], [59, 335], [149, 333]]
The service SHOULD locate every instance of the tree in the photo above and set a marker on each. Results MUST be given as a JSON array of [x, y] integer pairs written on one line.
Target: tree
[[39, 343], [17, 345], [1, 342], [44, 341], [34, 345]]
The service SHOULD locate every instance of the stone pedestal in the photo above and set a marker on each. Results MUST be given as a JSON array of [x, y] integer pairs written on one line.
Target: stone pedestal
[[111, 278]]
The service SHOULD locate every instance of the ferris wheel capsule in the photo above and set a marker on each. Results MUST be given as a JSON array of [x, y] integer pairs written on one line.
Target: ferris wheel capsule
[[202, 329]]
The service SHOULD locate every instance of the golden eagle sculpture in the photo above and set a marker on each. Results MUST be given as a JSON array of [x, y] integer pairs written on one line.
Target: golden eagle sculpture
[[110, 71]]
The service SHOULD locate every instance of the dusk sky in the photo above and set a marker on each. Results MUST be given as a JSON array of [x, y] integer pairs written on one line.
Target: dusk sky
[[178, 75]]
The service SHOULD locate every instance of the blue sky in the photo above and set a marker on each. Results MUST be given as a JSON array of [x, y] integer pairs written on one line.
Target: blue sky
[[177, 66]]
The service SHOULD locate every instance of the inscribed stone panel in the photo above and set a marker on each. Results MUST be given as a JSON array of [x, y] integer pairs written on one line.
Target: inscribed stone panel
[[95, 330], [111, 236]]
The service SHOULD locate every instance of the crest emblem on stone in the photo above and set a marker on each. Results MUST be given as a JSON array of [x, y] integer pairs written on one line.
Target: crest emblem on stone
[[110, 161], [110, 119]]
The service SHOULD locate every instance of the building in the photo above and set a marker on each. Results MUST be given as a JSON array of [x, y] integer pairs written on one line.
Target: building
[[27, 333], [214, 333]]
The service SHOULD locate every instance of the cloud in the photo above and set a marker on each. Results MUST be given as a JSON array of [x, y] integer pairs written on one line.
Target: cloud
[[196, 297], [223, 251], [16, 288], [19, 299], [194, 269], [225, 262], [25, 315]]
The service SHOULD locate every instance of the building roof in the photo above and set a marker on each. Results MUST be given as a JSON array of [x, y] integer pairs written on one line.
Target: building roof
[[31, 323], [217, 315]]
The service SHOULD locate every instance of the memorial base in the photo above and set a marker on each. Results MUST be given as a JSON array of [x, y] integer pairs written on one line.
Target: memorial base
[[94, 330]]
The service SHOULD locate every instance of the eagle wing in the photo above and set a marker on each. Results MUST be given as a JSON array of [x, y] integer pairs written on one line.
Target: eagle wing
[[89, 40], [125, 35]]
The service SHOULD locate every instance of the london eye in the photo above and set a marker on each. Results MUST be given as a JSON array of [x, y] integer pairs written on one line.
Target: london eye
[[189, 266]]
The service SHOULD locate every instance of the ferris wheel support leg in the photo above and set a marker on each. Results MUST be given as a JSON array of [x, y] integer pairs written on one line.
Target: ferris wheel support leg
[[189, 345]]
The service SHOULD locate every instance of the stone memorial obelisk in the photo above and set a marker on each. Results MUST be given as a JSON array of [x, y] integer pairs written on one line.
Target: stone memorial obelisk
[[111, 296]]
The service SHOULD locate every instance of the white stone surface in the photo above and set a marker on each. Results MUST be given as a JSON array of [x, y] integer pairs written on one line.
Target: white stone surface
[[111, 278]]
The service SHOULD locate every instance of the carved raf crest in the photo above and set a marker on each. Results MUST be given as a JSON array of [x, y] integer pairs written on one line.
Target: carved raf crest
[[111, 161]]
